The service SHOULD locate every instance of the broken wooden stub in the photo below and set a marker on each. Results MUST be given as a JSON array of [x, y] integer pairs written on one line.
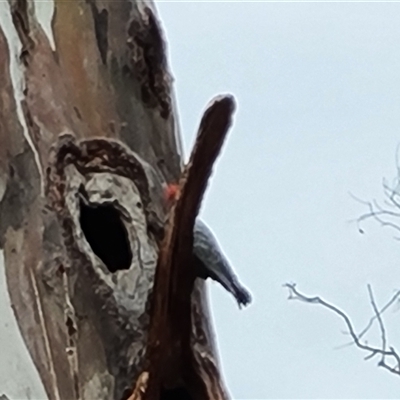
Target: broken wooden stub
[[171, 357]]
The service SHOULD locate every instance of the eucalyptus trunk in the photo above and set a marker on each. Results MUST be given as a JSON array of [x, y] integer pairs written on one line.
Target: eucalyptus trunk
[[88, 140]]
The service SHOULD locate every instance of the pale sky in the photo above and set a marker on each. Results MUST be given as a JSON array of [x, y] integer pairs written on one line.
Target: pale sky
[[318, 87]]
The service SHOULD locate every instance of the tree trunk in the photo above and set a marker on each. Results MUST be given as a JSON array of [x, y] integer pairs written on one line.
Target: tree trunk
[[88, 140]]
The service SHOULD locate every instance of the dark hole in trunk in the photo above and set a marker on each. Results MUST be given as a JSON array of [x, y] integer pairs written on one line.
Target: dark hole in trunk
[[179, 393], [106, 234]]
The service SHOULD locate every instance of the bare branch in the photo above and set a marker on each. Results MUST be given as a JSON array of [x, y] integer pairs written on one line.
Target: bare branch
[[294, 294], [386, 215]]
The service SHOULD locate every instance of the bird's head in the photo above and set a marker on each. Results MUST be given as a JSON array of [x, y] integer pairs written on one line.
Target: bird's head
[[170, 194]]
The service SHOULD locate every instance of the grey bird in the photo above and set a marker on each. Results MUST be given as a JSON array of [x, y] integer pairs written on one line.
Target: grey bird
[[214, 264]]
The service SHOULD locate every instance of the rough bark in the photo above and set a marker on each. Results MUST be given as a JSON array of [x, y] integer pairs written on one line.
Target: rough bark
[[88, 138]]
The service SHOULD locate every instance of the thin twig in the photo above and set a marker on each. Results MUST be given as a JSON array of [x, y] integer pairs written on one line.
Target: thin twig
[[380, 321], [373, 318], [378, 213]]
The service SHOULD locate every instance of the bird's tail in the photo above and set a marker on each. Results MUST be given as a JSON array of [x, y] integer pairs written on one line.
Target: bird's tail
[[242, 295], [233, 286]]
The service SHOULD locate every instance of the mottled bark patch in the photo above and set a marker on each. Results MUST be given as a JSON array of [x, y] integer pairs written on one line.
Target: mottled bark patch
[[20, 192], [100, 19], [148, 59], [21, 20]]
